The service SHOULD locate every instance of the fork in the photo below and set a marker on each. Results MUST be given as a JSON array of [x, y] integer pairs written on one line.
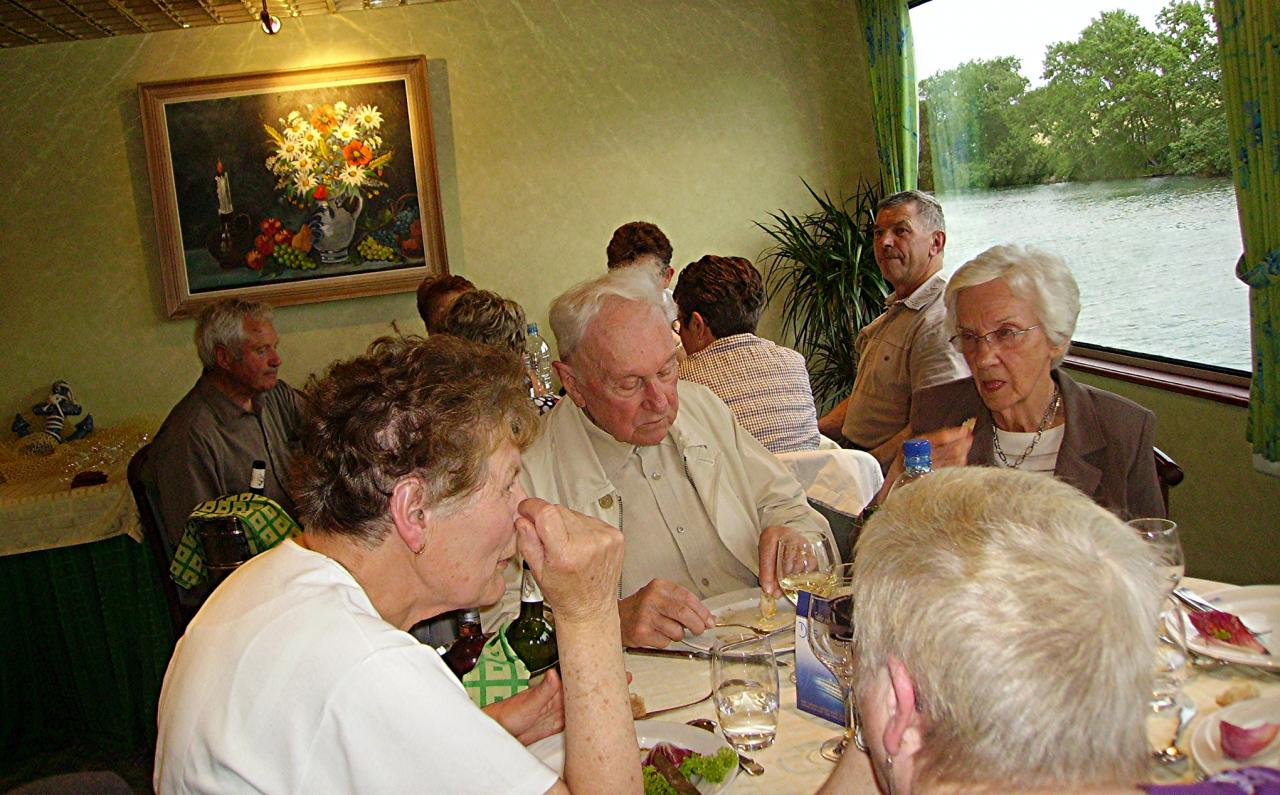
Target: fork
[[761, 631], [655, 712]]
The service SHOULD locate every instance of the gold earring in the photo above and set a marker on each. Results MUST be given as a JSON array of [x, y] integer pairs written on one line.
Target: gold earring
[[417, 552]]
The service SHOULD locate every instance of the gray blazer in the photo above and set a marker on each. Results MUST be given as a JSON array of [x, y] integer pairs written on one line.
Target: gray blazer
[[1106, 446]]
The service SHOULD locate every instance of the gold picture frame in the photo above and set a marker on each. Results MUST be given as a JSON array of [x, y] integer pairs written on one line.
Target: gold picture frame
[[258, 178]]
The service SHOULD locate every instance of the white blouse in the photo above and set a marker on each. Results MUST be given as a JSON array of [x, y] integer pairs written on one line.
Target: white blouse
[[1044, 458]]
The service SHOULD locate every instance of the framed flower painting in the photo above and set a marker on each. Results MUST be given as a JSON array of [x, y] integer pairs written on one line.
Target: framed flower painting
[[293, 187]]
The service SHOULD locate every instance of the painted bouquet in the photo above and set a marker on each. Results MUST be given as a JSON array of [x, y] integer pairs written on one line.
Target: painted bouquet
[[328, 152]]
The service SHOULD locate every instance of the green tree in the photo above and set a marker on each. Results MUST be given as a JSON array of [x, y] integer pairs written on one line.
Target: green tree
[[1105, 108], [1192, 74], [979, 136]]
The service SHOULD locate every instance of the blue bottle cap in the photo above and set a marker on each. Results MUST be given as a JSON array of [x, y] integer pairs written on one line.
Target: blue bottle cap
[[533, 328], [916, 448]]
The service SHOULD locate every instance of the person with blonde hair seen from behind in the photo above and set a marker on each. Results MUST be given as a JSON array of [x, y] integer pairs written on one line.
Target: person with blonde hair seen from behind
[[1001, 620], [484, 316], [1011, 311], [298, 674]]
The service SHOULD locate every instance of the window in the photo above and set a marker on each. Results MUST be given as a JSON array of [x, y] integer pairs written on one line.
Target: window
[[1093, 129]]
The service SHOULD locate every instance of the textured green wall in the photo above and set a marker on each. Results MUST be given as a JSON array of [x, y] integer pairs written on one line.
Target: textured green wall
[[1228, 515], [557, 121]]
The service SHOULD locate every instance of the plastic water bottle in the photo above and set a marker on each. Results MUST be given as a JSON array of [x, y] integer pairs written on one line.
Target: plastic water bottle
[[917, 455], [537, 357]]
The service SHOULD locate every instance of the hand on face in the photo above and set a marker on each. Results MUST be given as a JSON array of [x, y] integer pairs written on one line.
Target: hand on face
[[659, 613], [575, 559]]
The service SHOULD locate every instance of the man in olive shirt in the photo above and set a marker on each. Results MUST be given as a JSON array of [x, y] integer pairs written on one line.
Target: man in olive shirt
[[238, 412], [905, 349], [701, 504]]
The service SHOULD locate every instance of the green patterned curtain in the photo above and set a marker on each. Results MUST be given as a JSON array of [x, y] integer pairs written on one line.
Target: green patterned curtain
[[893, 90], [1249, 36]]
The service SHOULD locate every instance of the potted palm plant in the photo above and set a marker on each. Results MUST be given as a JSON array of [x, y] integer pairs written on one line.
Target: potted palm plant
[[823, 267]]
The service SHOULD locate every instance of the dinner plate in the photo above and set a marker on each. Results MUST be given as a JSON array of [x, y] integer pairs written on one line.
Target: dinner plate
[[1258, 606], [744, 607], [649, 732], [1206, 742]]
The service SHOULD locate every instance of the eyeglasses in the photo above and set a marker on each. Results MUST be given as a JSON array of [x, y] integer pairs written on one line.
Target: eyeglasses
[[999, 339]]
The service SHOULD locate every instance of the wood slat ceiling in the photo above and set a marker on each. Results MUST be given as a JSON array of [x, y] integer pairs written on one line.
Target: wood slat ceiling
[[26, 22]]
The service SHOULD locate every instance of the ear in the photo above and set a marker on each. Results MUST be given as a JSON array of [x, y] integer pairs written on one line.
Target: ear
[[223, 357], [904, 730], [938, 243], [409, 513], [569, 380]]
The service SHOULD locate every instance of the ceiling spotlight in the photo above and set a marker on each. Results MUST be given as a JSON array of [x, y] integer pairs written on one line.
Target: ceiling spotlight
[[270, 22]]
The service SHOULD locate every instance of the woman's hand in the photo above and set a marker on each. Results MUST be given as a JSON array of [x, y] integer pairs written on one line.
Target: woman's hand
[[576, 559], [950, 448], [532, 714]]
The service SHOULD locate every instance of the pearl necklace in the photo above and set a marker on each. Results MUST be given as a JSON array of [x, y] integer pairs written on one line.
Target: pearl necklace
[[1049, 414]]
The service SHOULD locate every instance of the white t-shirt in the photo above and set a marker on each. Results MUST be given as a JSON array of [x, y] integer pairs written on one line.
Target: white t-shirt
[[288, 681]]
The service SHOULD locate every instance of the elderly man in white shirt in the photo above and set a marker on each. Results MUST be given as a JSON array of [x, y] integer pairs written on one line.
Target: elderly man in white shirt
[[699, 501]]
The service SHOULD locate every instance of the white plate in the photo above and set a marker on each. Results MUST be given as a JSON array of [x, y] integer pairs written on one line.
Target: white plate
[[1258, 606], [649, 732], [746, 602], [1206, 743]]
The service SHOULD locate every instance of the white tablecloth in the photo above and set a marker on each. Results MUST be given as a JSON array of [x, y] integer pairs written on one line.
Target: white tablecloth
[[793, 763], [839, 479]]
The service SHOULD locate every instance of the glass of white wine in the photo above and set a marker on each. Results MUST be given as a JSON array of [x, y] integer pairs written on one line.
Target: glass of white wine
[[805, 561]]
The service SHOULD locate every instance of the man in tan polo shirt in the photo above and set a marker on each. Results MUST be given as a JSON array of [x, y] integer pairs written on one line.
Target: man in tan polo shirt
[[700, 502], [906, 348]]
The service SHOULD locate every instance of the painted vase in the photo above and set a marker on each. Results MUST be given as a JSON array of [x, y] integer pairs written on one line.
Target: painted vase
[[333, 225]]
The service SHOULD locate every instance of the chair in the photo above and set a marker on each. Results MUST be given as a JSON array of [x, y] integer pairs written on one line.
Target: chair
[[839, 483], [1169, 473], [180, 613]]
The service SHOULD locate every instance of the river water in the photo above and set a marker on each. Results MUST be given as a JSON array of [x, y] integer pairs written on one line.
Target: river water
[[1155, 258]]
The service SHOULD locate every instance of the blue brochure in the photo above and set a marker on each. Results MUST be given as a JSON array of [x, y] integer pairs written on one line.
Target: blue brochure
[[817, 689]]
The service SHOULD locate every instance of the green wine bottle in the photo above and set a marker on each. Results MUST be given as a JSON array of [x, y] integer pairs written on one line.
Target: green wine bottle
[[531, 635]]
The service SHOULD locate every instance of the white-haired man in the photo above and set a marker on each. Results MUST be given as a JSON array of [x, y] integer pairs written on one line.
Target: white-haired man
[[238, 412], [700, 502]]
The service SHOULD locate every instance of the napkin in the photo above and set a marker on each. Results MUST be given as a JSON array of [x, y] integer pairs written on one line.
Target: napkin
[[265, 525], [498, 674]]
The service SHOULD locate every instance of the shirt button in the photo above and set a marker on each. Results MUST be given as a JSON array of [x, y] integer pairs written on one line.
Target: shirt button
[[705, 582], [656, 476], [680, 529], [606, 501]]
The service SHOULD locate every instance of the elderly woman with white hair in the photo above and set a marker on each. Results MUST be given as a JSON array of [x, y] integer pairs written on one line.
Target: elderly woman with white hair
[[1000, 620], [1011, 311]]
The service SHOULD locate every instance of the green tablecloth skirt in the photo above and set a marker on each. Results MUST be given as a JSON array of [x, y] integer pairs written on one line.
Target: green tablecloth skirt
[[84, 641]]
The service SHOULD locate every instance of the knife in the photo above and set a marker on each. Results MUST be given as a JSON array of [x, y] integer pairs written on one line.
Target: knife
[[688, 654]]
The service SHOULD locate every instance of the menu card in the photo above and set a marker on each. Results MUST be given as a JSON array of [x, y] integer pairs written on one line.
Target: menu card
[[817, 689]]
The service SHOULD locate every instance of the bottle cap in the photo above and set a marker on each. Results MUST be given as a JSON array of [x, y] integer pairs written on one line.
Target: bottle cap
[[914, 448], [533, 328], [259, 464]]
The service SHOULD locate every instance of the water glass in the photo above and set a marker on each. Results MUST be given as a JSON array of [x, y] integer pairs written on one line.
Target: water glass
[[804, 563], [744, 687]]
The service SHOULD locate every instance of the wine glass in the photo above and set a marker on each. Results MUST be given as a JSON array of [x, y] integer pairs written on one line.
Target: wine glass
[[804, 563], [831, 639], [1168, 705], [1161, 536]]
